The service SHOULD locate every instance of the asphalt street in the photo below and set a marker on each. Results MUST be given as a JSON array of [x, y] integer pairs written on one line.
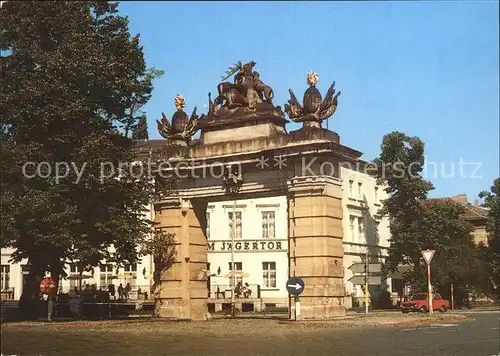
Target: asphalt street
[[478, 337]]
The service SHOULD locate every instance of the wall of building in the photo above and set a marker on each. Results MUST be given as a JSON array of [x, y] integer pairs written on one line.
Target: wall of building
[[364, 229], [261, 245], [11, 275], [480, 235]]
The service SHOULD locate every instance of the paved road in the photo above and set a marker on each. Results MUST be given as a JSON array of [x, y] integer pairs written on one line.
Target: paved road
[[479, 337]]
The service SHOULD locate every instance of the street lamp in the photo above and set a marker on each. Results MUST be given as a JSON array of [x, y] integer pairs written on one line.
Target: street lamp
[[232, 182], [233, 236]]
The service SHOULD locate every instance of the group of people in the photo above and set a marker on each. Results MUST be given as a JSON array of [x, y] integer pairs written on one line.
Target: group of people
[[239, 290], [123, 292], [244, 290], [90, 291]]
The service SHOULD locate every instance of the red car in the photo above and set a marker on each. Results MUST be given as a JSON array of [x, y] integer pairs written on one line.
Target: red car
[[420, 302]]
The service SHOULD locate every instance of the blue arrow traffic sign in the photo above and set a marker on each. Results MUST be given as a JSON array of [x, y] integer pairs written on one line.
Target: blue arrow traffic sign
[[295, 286]]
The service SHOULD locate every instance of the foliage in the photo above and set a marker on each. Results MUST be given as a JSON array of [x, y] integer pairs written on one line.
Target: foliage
[[399, 168], [162, 246], [417, 223], [492, 251], [141, 130], [73, 78], [135, 119]]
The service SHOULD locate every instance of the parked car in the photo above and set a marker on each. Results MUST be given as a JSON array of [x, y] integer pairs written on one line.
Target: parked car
[[420, 302]]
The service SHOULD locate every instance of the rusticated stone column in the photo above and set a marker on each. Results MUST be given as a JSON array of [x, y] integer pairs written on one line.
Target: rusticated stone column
[[315, 240], [183, 287]]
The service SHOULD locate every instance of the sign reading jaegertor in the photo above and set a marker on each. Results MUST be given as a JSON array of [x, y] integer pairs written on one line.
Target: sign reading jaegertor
[[247, 246]]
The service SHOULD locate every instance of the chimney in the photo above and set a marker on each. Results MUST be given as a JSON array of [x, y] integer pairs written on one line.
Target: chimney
[[476, 203], [460, 198]]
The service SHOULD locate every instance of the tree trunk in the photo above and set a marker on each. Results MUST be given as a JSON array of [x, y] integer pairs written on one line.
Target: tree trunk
[[30, 299]]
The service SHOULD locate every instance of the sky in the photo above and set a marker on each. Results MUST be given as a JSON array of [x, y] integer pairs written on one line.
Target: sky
[[427, 69]]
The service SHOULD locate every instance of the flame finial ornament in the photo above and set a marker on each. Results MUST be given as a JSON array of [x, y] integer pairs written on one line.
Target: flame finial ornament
[[180, 102], [182, 128], [314, 109], [312, 78]]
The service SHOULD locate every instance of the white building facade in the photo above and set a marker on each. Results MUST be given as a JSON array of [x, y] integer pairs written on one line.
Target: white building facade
[[260, 248], [366, 233]]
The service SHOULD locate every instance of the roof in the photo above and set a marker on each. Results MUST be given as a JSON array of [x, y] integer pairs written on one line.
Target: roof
[[472, 212]]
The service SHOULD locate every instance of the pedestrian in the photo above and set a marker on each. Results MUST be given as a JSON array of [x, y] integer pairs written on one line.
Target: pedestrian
[[120, 291]]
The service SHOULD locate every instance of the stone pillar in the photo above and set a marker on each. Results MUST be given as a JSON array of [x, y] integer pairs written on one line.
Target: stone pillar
[[183, 288], [315, 244]]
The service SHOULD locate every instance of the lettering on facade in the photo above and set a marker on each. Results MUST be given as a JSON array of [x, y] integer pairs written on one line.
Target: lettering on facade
[[246, 246]]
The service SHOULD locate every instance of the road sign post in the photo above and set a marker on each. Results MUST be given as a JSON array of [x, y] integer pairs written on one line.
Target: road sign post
[[363, 276], [295, 287], [452, 301], [367, 291], [297, 307], [427, 255]]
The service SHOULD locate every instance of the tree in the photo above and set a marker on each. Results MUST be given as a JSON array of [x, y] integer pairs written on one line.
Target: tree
[[141, 130], [162, 246], [492, 251], [135, 119], [417, 223], [72, 79], [399, 168]]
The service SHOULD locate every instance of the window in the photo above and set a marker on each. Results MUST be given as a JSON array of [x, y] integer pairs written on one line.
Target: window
[[360, 190], [131, 271], [106, 275], [269, 274], [351, 227], [376, 195], [238, 224], [73, 269], [351, 184], [207, 231], [5, 277], [268, 225], [361, 229], [74, 274], [238, 267], [130, 268]]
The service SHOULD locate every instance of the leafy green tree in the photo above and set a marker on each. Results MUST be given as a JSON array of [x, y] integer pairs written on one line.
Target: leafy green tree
[[72, 78], [457, 259], [492, 251], [400, 165], [162, 246], [417, 223], [135, 120], [141, 130]]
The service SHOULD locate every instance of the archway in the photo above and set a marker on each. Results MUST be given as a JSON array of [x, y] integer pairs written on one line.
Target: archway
[[244, 151]]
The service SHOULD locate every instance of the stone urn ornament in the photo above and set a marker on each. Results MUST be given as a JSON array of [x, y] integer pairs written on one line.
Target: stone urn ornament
[[182, 129], [315, 109]]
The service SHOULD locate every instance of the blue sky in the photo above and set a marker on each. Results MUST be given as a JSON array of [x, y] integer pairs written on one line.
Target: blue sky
[[426, 69]]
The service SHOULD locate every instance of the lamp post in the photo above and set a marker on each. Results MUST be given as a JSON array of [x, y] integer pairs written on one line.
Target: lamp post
[[233, 236], [233, 181], [367, 293]]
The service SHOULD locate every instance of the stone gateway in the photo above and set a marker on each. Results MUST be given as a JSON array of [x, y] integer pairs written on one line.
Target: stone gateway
[[243, 125]]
